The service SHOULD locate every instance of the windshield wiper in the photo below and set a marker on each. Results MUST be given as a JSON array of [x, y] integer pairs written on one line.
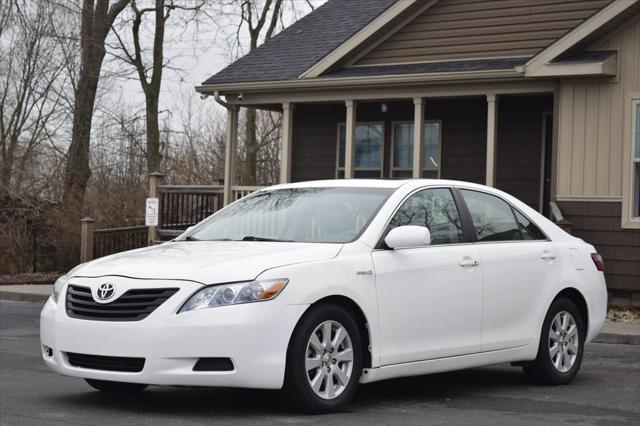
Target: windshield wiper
[[254, 238], [191, 238]]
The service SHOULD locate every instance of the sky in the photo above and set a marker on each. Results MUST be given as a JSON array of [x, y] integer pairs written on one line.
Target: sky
[[195, 52]]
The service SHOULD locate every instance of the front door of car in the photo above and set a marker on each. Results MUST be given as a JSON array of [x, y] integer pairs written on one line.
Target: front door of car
[[429, 298], [519, 269]]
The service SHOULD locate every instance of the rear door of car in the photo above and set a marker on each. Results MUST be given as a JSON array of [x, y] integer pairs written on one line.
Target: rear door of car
[[519, 267]]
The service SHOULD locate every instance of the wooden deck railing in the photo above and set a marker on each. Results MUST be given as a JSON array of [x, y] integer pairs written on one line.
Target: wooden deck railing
[[242, 191], [181, 206]]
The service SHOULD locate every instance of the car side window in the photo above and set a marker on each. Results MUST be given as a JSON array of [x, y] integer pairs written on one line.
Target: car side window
[[435, 209], [528, 230], [493, 218]]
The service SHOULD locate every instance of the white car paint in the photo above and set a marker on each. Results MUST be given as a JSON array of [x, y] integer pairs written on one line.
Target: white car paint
[[428, 309]]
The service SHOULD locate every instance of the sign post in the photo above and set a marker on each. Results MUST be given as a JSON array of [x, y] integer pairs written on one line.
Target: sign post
[[152, 208], [151, 212]]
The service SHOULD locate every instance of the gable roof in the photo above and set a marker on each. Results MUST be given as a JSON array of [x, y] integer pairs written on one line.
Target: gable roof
[[297, 48], [327, 45]]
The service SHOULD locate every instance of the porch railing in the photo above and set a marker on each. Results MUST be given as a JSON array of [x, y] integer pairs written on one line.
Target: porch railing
[[238, 192], [115, 240], [181, 206]]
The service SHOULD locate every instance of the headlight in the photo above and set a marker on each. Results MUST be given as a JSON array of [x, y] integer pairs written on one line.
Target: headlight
[[57, 287], [234, 294]]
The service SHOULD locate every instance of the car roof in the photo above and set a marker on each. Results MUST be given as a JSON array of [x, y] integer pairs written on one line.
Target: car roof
[[377, 183]]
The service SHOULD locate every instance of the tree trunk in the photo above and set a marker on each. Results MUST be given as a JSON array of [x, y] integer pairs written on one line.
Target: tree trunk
[[97, 18], [153, 133], [77, 170]]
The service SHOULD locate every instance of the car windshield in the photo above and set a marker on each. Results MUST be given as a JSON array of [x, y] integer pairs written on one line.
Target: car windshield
[[306, 215]]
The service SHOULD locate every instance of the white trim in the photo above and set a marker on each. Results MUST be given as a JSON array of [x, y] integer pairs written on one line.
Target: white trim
[[629, 161], [418, 136], [392, 168], [351, 81], [578, 34], [608, 67], [389, 92], [354, 41], [355, 169], [492, 138], [230, 153], [286, 135], [586, 198]]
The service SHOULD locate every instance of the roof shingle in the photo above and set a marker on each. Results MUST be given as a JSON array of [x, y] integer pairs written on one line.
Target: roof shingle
[[296, 49]]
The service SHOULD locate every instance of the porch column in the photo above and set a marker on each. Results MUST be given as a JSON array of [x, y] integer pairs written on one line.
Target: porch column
[[418, 136], [230, 152], [492, 119], [287, 140], [350, 138]]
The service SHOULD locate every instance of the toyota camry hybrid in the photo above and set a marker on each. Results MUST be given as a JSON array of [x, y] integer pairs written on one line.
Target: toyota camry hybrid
[[316, 287]]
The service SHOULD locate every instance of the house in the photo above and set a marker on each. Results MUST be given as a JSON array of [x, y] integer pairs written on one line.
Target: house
[[540, 99]]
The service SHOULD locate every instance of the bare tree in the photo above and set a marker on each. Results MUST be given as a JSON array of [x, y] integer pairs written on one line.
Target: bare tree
[[96, 21], [261, 19], [150, 72], [32, 83]]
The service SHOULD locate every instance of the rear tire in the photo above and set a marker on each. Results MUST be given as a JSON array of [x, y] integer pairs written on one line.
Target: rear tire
[[324, 360], [561, 346], [115, 387]]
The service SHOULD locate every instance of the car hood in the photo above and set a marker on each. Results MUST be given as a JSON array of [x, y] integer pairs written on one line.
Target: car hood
[[207, 262]]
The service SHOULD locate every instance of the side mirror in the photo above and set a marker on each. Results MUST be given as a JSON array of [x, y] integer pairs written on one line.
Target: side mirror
[[408, 236], [181, 236]]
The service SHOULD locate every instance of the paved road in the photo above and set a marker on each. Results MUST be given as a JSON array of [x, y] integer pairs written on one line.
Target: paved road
[[605, 392]]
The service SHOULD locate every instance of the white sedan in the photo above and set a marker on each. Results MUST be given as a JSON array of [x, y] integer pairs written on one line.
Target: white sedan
[[315, 287]]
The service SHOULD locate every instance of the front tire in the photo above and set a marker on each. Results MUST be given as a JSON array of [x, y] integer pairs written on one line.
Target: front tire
[[561, 346], [115, 387], [324, 360]]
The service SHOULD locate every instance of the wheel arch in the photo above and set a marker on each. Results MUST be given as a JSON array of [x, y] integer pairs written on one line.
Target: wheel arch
[[358, 314], [579, 300]]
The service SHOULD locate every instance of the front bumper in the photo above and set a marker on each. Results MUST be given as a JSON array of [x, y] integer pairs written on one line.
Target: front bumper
[[254, 336]]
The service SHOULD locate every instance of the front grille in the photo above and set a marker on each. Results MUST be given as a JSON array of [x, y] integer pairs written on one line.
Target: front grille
[[213, 364], [106, 363], [134, 305]]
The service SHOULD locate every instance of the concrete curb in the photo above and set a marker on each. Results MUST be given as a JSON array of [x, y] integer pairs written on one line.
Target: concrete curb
[[618, 339], [23, 297]]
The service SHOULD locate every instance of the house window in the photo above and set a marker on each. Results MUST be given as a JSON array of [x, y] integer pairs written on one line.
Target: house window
[[635, 188], [369, 142], [402, 149]]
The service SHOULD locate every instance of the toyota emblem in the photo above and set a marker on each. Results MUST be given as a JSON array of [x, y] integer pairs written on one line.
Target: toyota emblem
[[105, 291]]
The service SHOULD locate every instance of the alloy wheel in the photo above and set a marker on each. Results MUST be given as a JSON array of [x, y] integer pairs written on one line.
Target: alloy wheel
[[329, 359], [563, 341]]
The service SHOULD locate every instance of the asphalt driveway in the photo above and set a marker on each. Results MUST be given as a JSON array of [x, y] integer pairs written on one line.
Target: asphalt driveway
[[605, 392]]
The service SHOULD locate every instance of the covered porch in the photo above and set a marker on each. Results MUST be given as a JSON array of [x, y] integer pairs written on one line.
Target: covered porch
[[497, 136]]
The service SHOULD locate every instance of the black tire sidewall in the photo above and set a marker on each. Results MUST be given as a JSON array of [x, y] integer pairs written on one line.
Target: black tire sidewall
[[542, 369], [296, 382]]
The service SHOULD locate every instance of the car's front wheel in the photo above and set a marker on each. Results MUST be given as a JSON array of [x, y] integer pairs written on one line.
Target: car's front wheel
[[115, 387], [324, 360], [561, 345]]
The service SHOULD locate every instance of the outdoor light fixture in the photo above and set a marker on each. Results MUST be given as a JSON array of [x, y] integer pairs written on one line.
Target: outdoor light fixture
[[384, 107]]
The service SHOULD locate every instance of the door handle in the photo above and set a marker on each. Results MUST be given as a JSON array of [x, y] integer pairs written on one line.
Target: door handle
[[468, 262], [547, 256]]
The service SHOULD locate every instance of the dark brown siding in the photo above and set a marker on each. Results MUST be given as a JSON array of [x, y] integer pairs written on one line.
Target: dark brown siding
[[464, 127], [519, 147], [464, 137], [314, 141], [455, 29], [598, 223]]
